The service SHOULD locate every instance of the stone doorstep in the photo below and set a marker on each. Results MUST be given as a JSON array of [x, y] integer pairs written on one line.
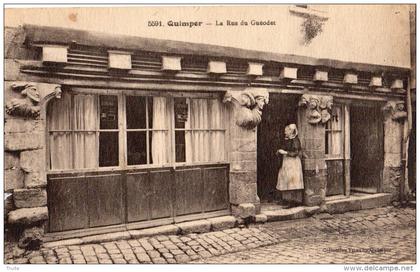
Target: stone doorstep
[[290, 214], [197, 226], [358, 202], [342, 205]]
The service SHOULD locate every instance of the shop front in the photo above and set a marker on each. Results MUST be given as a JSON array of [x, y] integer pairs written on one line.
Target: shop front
[[105, 133]]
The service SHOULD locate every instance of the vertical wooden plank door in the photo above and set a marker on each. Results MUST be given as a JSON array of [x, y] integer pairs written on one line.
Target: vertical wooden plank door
[[366, 148], [67, 205], [114, 198]]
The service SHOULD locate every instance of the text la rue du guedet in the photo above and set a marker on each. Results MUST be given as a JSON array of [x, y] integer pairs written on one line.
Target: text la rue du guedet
[[193, 24]]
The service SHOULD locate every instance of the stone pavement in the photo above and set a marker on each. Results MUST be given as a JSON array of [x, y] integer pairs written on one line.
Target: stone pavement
[[384, 235], [373, 236]]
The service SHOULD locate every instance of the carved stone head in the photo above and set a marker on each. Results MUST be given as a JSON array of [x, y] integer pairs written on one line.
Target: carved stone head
[[395, 110]]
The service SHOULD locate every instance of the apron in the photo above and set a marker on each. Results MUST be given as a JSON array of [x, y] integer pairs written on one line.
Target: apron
[[290, 176]]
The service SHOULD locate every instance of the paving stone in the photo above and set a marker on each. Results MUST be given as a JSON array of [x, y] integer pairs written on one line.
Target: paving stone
[[133, 261], [114, 251], [171, 261], [159, 261], [153, 254], [20, 261], [105, 261], [119, 261], [162, 238], [204, 254], [176, 252], [163, 250], [66, 260], [167, 255], [91, 260], [102, 256], [133, 243], [185, 239], [146, 245], [143, 258], [182, 258]]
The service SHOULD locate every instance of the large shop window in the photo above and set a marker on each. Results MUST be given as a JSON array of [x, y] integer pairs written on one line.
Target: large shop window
[[89, 131], [334, 133]]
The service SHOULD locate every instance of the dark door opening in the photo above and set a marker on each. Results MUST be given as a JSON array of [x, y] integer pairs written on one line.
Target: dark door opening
[[281, 111], [366, 137]]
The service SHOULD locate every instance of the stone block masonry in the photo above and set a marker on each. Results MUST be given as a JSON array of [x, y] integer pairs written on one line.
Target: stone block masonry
[[312, 137], [25, 158]]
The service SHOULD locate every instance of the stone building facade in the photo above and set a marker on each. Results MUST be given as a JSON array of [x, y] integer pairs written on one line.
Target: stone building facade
[[46, 65]]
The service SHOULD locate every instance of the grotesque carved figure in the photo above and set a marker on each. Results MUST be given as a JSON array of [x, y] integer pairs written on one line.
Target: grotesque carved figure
[[318, 108], [27, 106], [250, 104], [31, 101], [396, 110]]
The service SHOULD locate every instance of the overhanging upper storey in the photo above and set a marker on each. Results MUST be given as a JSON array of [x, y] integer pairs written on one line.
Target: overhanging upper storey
[[75, 57]]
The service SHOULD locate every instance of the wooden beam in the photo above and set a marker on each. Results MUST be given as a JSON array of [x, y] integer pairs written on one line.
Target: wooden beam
[[41, 34], [119, 60], [350, 78], [320, 75], [397, 84], [216, 67], [288, 73], [376, 81], [171, 63], [54, 53], [255, 69]]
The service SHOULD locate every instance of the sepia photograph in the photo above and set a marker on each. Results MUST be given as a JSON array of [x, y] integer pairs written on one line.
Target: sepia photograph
[[281, 133]]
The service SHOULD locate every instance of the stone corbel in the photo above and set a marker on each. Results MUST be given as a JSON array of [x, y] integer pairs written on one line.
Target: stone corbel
[[395, 110], [33, 98], [249, 104], [318, 108]]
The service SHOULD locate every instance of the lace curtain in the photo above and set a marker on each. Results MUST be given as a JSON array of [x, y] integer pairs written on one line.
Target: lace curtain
[[72, 134], [204, 135], [160, 136]]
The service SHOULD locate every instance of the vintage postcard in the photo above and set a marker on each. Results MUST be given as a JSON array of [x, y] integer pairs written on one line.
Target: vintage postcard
[[210, 134]]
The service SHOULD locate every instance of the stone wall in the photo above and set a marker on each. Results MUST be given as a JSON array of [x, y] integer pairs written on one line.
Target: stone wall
[[393, 172], [25, 182], [245, 114], [25, 178], [312, 137]]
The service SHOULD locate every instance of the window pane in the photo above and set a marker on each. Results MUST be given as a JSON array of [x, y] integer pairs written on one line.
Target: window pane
[[85, 112], [181, 109], [108, 149], [85, 150], [136, 112], [335, 147], [327, 142], [159, 147], [180, 146], [61, 155], [59, 113], [109, 112], [136, 148]]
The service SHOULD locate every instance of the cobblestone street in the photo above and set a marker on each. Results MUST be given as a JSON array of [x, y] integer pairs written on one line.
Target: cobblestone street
[[383, 235]]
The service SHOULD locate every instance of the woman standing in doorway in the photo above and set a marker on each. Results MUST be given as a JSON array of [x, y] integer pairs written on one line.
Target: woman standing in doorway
[[290, 177]]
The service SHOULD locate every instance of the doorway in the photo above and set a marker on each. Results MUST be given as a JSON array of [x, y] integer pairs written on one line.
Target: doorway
[[367, 152], [281, 111]]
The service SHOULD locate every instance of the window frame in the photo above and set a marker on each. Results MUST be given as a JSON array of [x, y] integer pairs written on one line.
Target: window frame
[[122, 129], [330, 131]]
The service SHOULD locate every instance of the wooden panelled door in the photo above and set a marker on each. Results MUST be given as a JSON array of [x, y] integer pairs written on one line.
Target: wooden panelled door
[[367, 151], [104, 199]]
